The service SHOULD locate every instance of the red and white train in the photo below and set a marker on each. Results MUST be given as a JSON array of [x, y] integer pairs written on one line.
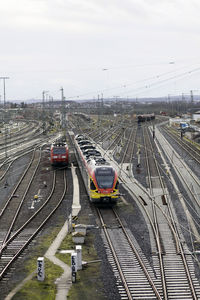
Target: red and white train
[[100, 178], [59, 154]]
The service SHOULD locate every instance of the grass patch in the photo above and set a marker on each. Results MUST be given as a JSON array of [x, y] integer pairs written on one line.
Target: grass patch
[[67, 244], [88, 282], [127, 207], [36, 290], [33, 289]]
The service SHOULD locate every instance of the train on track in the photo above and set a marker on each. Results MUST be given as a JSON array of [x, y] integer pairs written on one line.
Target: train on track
[[59, 153], [145, 117], [100, 178]]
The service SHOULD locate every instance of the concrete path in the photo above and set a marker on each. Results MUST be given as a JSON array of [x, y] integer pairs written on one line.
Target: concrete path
[[64, 282]]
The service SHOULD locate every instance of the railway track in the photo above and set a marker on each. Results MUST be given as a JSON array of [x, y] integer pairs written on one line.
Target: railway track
[[189, 179], [10, 210], [173, 264], [174, 272], [15, 143], [128, 149], [135, 278], [191, 151], [19, 237], [176, 267], [6, 165]]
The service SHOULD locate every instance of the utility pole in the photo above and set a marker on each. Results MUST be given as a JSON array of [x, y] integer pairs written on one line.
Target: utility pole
[[43, 93], [102, 112], [4, 89], [43, 100], [184, 100], [98, 111], [169, 100], [6, 132], [192, 98], [51, 105], [63, 113], [43, 114]]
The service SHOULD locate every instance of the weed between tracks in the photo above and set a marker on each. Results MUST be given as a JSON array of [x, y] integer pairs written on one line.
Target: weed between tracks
[[34, 289], [88, 283]]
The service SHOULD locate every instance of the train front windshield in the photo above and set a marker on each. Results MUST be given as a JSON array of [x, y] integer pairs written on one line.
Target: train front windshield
[[59, 150], [105, 177]]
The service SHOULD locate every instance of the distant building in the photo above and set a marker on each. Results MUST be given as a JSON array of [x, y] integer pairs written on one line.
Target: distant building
[[178, 121], [196, 116]]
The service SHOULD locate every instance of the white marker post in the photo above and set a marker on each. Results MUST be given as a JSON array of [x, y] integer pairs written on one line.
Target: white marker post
[[40, 269], [70, 223], [79, 257], [74, 266]]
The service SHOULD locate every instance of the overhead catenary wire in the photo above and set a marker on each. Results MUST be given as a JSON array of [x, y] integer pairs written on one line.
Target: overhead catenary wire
[[143, 88]]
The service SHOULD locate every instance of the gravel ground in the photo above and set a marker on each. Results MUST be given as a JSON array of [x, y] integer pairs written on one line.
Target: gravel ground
[[88, 212], [57, 220], [16, 170], [180, 213], [136, 222], [193, 165], [131, 214]]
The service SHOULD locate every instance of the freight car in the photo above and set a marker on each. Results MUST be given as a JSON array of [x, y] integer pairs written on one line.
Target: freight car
[[100, 178], [145, 117], [59, 154]]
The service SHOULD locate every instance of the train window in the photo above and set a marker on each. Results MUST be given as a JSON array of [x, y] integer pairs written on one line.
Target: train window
[[59, 150], [105, 177], [92, 186]]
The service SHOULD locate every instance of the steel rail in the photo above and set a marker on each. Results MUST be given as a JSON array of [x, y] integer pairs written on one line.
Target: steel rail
[[21, 202], [183, 144], [16, 233], [128, 145], [180, 174], [135, 252], [163, 279], [115, 257], [14, 258], [17, 185], [11, 162], [194, 295]]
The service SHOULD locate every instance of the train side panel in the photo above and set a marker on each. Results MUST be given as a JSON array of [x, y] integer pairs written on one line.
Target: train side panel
[[100, 178], [59, 154]]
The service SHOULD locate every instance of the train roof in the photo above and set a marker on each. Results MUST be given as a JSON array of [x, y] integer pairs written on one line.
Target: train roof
[[92, 157], [97, 161], [80, 137], [59, 144], [84, 142]]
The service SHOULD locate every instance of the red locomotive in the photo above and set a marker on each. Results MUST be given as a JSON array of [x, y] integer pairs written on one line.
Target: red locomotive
[[59, 153]]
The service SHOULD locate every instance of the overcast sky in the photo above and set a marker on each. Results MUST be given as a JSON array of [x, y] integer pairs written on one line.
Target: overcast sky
[[129, 48]]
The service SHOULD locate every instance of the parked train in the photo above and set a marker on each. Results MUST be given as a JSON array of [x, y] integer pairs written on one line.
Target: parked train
[[100, 178], [59, 154], [145, 117]]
